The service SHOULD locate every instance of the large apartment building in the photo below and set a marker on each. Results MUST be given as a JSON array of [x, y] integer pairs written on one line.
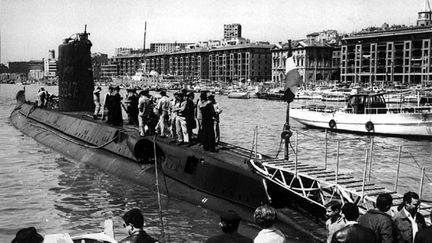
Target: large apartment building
[[390, 53], [232, 31], [224, 65]]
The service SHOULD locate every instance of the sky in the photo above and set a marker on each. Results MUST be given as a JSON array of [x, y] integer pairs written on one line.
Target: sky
[[30, 28]]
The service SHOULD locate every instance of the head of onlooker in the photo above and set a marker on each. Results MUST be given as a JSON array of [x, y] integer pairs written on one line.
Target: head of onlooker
[[163, 93], [229, 221], [110, 89], [350, 211], [28, 235], [265, 216], [384, 202], [144, 92], [333, 210], [190, 95], [133, 219], [411, 202], [203, 96]]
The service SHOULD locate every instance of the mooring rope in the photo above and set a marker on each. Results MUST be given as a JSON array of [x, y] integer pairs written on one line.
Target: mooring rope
[[158, 191]]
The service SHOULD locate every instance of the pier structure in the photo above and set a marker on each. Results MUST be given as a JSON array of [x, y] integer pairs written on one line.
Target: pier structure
[[320, 183]]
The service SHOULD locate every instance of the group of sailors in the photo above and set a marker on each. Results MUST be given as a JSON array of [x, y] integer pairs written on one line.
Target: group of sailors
[[175, 118], [380, 224]]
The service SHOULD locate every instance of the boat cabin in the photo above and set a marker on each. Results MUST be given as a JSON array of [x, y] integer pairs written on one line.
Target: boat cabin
[[366, 104]]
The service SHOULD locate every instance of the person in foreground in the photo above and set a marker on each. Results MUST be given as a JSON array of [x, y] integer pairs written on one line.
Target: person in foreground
[[378, 220], [335, 220], [408, 221], [134, 222], [28, 235], [353, 232], [424, 236], [264, 217], [229, 224]]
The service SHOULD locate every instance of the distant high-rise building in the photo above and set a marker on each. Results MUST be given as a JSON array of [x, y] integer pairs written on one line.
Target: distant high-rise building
[[50, 65], [232, 31]]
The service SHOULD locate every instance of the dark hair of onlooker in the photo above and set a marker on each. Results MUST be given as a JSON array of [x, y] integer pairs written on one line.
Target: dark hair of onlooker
[[28, 235], [384, 202], [351, 211], [407, 198], [265, 216], [203, 96], [230, 221], [334, 205], [134, 217]]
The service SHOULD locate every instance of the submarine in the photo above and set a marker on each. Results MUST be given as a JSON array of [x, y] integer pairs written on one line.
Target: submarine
[[217, 181]]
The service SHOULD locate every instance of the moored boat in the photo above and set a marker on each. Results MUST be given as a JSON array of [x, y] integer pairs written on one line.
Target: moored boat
[[368, 113], [238, 94]]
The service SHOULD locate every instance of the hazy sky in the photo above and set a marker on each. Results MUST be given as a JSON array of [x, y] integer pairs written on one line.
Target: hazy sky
[[29, 28]]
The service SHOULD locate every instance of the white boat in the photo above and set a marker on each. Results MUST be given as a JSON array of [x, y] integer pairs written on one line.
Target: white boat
[[238, 94], [368, 113], [106, 237]]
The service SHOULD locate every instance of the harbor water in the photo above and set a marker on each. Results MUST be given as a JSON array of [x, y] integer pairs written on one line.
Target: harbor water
[[39, 187]]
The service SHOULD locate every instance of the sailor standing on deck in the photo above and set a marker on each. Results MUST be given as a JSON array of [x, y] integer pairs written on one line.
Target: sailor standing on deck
[[163, 107], [108, 105], [97, 103], [207, 132], [218, 111], [131, 102], [144, 108], [181, 128], [190, 116], [42, 97], [175, 103], [116, 109]]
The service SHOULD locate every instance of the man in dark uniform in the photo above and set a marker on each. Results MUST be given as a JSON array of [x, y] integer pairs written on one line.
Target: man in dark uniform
[[207, 133], [134, 222], [229, 223], [116, 107], [108, 105], [189, 114]]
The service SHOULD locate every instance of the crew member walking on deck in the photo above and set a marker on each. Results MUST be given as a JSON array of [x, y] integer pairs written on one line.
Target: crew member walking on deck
[[144, 108], [207, 133], [218, 111], [163, 107], [134, 223], [96, 101]]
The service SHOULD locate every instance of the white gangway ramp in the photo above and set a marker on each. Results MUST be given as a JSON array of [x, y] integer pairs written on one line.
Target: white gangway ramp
[[320, 186]]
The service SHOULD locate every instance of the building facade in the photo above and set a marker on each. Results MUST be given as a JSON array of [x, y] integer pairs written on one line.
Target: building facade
[[316, 60], [248, 62], [168, 47], [223, 65], [232, 31], [108, 71], [390, 54], [127, 64]]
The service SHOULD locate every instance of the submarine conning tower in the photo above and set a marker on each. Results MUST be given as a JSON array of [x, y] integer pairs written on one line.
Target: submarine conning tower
[[75, 74]]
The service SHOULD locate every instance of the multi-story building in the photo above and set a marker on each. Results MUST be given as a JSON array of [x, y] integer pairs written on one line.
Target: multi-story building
[[50, 65], [232, 31], [391, 54], [97, 60], [248, 62], [316, 60], [168, 47], [108, 71], [127, 64], [226, 64]]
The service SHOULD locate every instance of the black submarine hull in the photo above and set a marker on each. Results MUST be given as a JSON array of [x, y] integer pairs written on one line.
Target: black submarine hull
[[217, 181]]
